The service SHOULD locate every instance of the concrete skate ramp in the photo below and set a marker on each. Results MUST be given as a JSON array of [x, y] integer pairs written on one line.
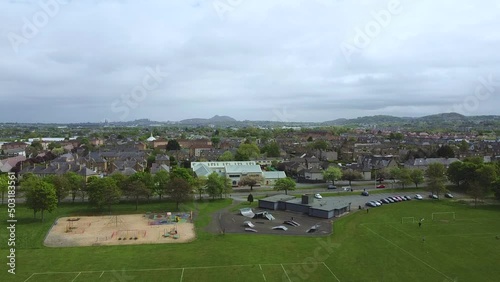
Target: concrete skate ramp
[[249, 224], [247, 212]]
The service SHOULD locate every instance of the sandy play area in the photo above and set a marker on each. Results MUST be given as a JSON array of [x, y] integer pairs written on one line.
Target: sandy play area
[[118, 230]]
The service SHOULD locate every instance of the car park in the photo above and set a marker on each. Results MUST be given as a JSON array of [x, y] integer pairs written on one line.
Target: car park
[[418, 197], [448, 195]]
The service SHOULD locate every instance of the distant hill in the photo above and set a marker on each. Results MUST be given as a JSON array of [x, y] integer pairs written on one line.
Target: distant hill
[[213, 120]]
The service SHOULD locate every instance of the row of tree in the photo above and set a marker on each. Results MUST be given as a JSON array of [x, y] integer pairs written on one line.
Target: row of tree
[[179, 185]]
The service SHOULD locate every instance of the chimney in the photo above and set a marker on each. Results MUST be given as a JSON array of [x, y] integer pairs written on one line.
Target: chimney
[[307, 199]]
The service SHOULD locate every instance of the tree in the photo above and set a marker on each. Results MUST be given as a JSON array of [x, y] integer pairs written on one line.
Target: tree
[[417, 177], [216, 185], [445, 151], [39, 195], [455, 173], [75, 182], [250, 198], [320, 145], [60, 184], [199, 185], [160, 179], [179, 190], [332, 173], [250, 180], [4, 184], [464, 146], [351, 175], [226, 157], [436, 178], [272, 150], [173, 145], [284, 184], [103, 192], [146, 178], [136, 189], [184, 173], [483, 180], [53, 145], [215, 141], [247, 151]]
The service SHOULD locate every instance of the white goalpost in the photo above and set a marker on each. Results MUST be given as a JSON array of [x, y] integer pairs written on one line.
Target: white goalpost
[[443, 216], [408, 219]]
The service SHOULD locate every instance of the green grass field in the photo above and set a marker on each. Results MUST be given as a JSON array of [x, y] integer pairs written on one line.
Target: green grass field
[[374, 246]]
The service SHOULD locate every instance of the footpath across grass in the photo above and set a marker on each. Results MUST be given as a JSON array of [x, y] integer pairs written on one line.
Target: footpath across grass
[[374, 246]]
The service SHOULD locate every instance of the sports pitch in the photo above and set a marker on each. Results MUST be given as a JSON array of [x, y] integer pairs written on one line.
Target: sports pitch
[[374, 246]]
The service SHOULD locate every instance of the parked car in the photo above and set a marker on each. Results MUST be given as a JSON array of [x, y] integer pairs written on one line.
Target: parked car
[[371, 204], [331, 186], [378, 203], [318, 196], [381, 186], [365, 193], [418, 197], [448, 195], [385, 201], [390, 200], [408, 198], [432, 196]]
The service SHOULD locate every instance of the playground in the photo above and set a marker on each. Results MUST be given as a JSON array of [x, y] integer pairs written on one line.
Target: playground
[[149, 228]]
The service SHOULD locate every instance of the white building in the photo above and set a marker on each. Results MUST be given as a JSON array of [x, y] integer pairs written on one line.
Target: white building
[[233, 170]]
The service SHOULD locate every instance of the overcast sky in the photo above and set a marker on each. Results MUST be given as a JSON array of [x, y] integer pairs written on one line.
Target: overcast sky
[[287, 60]]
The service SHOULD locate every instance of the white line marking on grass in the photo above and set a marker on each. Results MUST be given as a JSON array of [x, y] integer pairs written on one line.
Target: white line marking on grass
[[262, 273], [101, 274], [76, 276], [182, 274], [412, 255], [286, 273], [330, 271], [29, 277]]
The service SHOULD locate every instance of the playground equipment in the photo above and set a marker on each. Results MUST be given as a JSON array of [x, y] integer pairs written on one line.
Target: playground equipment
[[129, 234], [73, 227], [115, 220], [172, 233], [168, 218]]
